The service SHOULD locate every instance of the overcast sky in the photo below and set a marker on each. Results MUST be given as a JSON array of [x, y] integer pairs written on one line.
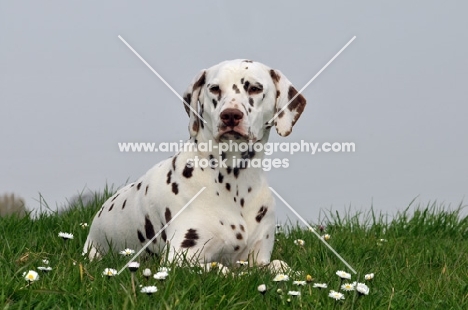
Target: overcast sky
[[70, 90]]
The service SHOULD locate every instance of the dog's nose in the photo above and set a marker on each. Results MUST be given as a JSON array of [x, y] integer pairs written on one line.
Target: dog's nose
[[231, 117]]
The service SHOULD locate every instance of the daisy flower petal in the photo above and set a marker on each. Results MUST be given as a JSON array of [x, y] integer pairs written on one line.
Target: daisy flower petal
[[336, 295], [294, 293], [109, 272], [299, 283], [31, 276], [343, 275], [320, 285], [281, 277], [65, 235], [149, 289]]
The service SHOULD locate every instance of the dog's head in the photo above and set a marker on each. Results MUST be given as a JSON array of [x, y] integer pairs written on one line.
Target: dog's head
[[238, 98]]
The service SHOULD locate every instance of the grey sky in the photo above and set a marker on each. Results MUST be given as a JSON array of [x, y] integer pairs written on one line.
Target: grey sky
[[70, 90]]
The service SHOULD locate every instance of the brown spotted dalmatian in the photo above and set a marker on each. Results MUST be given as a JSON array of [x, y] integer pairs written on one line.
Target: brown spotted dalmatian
[[234, 217]]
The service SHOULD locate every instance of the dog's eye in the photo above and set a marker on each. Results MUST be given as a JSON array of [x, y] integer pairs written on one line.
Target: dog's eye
[[215, 89], [255, 90]]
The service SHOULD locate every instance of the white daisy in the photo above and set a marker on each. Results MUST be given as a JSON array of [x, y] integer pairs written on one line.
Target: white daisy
[[347, 287], [281, 277], [242, 262], [44, 269], [262, 288], [326, 237], [336, 295], [31, 276], [361, 288], [45, 261], [65, 236], [369, 276], [309, 278], [299, 242], [320, 285], [380, 242], [84, 225], [161, 275], [299, 283], [149, 289], [147, 273], [164, 269], [133, 266], [215, 265], [127, 252], [294, 293], [109, 272], [343, 275]]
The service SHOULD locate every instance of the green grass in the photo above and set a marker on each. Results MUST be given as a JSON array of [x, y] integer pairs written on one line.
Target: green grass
[[422, 263]]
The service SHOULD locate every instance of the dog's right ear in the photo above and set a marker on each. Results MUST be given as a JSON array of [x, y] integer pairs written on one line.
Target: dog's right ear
[[191, 97]]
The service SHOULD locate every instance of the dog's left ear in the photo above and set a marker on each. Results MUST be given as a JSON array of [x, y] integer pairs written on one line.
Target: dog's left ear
[[285, 91], [191, 96]]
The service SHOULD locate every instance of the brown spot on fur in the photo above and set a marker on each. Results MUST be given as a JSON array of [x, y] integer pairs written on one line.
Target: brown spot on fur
[[215, 103], [274, 76], [220, 178], [146, 190], [188, 243], [187, 99], [235, 88], [187, 171], [298, 104], [239, 236], [242, 202], [246, 85], [195, 125], [191, 234], [138, 186], [200, 82], [168, 215], [242, 227], [233, 226], [236, 248], [251, 101], [140, 236], [168, 181], [174, 159], [261, 213], [249, 189], [115, 197], [221, 222], [175, 188], [228, 186], [112, 205], [124, 203], [149, 228]]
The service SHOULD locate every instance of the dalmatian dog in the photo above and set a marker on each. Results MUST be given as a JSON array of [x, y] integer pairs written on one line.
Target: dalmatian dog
[[234, 217]]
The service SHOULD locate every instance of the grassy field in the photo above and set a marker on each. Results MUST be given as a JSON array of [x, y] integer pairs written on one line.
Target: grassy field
[[420, 261]]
